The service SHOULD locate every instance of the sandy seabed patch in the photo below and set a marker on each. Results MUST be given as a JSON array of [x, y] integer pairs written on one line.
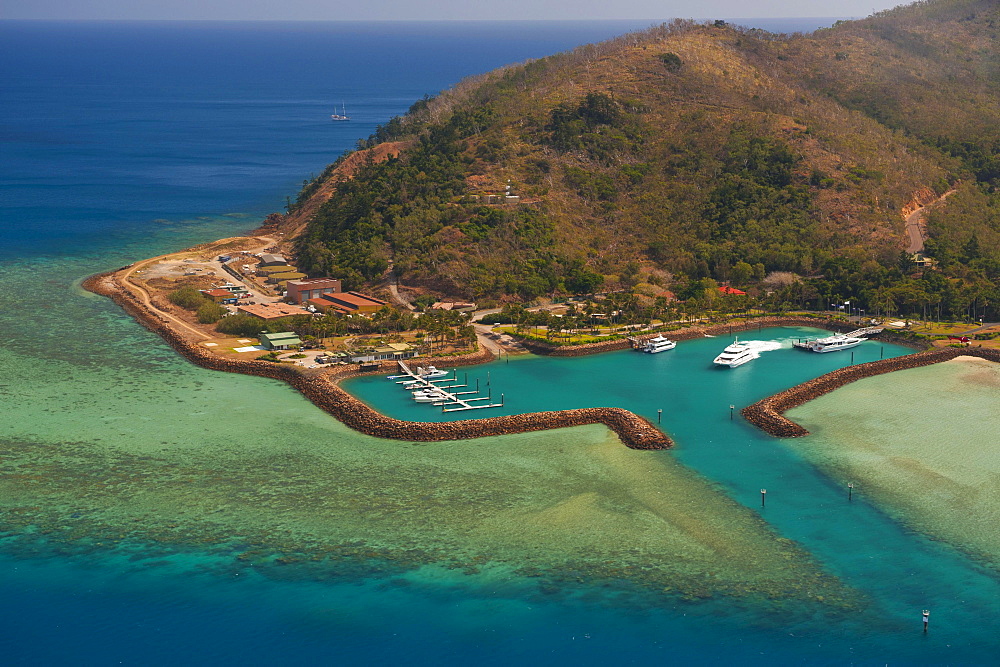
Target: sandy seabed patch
[[566, 510], [924, 443]]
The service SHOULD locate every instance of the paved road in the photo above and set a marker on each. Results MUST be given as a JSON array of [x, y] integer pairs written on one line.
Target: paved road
[[916, 227], [480, 314], [986, 326]]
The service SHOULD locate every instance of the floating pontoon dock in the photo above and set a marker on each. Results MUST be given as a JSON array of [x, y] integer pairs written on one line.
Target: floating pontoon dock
[[858, 333], [413, 380]]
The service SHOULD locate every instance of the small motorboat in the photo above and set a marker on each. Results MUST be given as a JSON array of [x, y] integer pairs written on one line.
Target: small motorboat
[[431, 372], [429, 396]]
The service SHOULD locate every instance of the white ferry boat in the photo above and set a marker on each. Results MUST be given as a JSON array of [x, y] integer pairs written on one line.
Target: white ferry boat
[[736, 354], [841, 341], [658, 344], [830, 344]]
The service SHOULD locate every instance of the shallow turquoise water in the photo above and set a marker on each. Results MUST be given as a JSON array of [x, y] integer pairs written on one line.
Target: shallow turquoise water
[[903, 571], [683, 382]]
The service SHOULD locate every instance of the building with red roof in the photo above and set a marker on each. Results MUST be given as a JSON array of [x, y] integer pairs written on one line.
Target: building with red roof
[[271, 311], [311, 288], [220, 295], [356, 302], [324, 305]]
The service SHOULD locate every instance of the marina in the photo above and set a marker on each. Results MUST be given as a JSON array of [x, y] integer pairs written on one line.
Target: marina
[[423, 382], [678, 383]]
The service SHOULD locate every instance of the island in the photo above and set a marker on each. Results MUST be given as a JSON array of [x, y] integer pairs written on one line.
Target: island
[[687, 180]]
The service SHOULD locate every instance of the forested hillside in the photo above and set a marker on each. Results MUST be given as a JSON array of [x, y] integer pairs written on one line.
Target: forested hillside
[[694, 151]]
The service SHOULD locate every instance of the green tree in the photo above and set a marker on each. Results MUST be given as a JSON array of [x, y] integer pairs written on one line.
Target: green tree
[[240, 325], [671, 61], [742, 273], [187, 297], [210, 312]]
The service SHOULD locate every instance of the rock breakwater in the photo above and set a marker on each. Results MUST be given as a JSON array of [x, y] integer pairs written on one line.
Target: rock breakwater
[[767, 414], [321, 387]]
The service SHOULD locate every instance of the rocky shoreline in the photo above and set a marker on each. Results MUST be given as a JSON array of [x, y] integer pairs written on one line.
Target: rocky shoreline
[[767, 414], [321, 387]]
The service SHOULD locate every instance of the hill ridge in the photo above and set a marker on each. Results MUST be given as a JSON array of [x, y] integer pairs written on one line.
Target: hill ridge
[[682, 152]]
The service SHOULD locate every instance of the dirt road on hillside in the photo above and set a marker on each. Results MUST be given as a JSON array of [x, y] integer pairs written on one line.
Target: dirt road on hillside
[[916, 224]]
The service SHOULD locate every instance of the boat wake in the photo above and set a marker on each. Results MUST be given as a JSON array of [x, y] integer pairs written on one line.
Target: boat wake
[[763, 345]]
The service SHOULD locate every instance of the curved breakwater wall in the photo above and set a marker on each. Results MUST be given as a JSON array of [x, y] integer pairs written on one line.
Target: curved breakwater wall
[[320, 387], [767, 415]]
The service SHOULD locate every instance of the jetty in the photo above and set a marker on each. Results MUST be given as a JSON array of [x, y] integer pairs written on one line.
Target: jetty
[[857, 333], [866, 331], [453, 401]]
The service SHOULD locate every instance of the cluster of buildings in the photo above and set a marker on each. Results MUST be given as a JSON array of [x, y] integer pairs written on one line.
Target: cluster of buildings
[[495, 199], [277, 271], [228, 294], [324, 295], [285, 340], [491, 195], [307, 296]]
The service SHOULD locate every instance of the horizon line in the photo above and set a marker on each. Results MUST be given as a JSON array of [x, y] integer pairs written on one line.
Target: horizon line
[[441, 20]]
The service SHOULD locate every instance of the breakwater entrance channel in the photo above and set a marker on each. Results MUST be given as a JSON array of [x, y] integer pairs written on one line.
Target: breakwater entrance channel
[[682, 383]]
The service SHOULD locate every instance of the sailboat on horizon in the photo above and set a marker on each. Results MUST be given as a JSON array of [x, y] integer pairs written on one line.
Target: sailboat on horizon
[[343, 116]]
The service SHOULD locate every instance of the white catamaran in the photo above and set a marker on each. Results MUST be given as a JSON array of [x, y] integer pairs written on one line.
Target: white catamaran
[[837, 341], [736, 354], [658, 344]]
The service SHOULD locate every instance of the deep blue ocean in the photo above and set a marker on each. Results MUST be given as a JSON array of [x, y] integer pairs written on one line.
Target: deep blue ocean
[[119, 141]]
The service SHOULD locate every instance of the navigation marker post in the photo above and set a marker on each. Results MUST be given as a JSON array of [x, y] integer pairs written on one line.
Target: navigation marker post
[[659, 415], [850, 491], [763, 495], [731, 408]]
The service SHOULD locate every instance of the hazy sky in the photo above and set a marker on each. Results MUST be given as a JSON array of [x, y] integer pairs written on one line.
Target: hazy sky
[[433, 9]]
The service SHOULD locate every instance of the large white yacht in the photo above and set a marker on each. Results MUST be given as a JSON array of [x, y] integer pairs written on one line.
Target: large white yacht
[[830, 344], [736, 354], [658, 344]]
